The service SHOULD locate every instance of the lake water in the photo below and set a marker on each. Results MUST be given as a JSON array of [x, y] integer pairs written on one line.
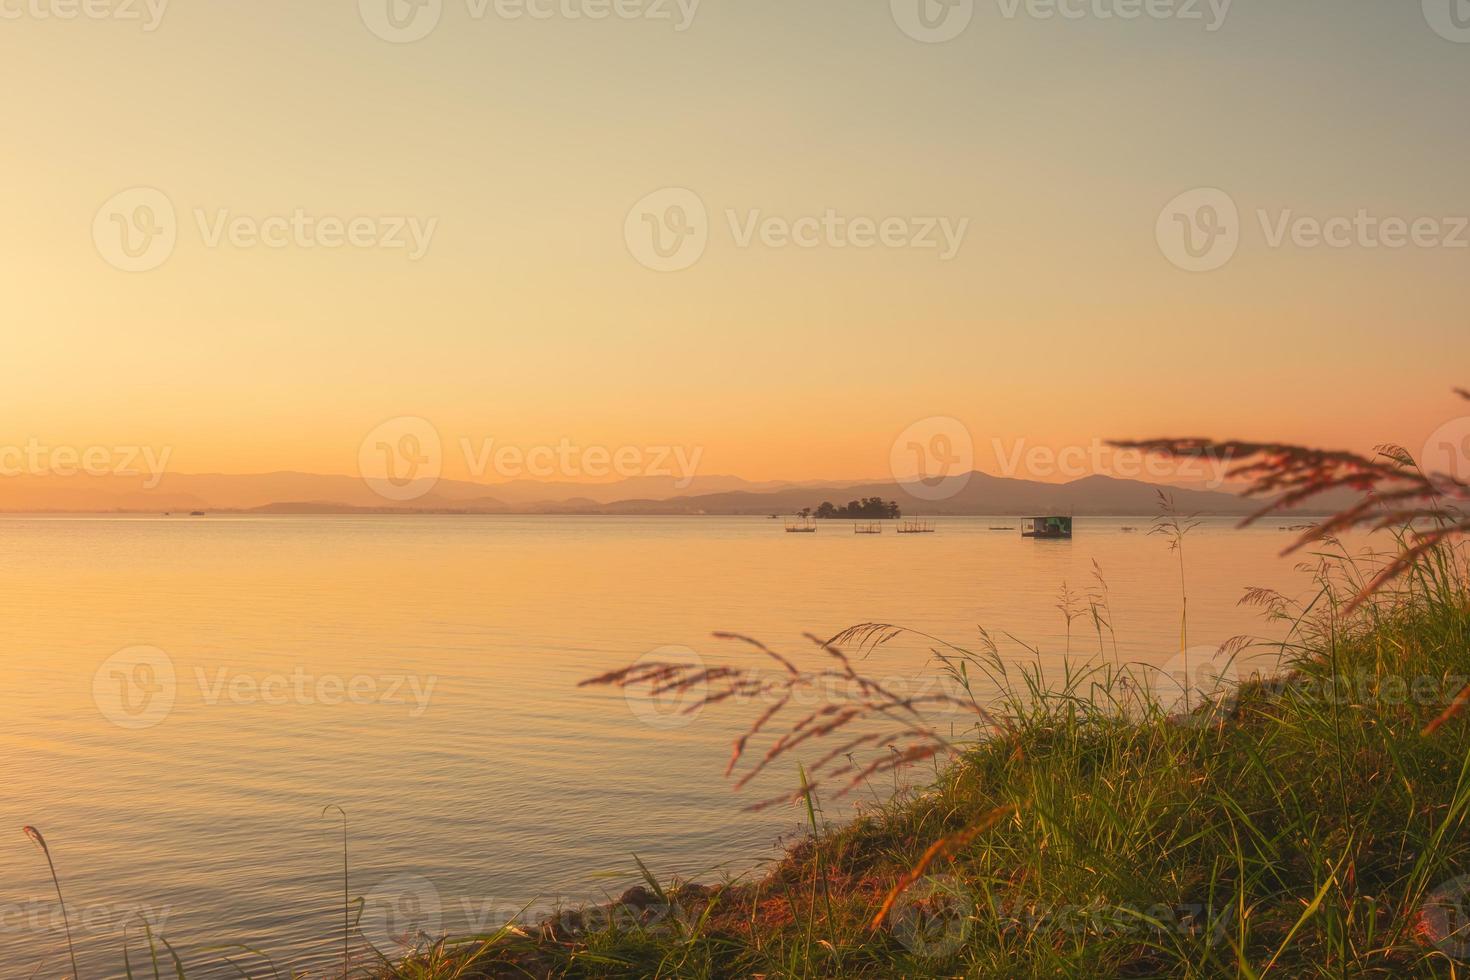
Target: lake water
[[185, 697]]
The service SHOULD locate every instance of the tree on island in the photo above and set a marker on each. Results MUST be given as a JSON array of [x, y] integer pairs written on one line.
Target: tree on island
[[869, 508]]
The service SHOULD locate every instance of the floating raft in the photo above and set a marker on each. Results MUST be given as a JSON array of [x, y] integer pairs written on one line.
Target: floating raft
[[1046, 527]]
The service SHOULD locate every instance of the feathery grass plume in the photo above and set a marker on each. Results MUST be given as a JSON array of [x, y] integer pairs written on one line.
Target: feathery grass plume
[[1425, 510], [1100, 606], [1175, 529], [40, 841], [1070, 608], [1397, 492], [846, 697]]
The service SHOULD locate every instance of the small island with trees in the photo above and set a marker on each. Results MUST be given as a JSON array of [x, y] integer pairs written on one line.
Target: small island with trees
[[868, 509]]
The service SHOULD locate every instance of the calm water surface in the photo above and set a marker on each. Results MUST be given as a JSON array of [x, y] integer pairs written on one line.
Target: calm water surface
[[421, 674]]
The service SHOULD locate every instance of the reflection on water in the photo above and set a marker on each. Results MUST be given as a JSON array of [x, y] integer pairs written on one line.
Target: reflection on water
[[186, 696]]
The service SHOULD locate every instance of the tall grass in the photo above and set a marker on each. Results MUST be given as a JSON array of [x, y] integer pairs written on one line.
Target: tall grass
[[40, 841], [1309, 828]]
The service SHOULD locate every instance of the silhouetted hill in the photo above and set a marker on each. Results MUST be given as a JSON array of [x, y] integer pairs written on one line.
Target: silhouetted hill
[[307, 493], [983, 494]]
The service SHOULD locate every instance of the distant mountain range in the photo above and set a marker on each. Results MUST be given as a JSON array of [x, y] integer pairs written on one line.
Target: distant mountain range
[[307, 493]]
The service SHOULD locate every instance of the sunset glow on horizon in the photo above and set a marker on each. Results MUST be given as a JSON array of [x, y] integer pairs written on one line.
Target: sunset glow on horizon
[[925, 253]]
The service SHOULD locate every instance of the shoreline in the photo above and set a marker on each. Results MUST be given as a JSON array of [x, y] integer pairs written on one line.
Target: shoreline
[[1240, 836]]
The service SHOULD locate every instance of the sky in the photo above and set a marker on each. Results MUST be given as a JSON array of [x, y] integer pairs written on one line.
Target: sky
[[784, 234]]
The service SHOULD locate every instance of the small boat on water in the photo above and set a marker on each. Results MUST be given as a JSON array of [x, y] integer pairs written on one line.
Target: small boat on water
[[916, 527], [1046, 527], [1007, 527], [1129, 530]]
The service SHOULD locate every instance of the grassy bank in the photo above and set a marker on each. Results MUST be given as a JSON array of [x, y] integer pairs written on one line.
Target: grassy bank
[[1310, 819]]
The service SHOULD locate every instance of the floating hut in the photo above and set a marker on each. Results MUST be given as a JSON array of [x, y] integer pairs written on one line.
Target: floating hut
[[1046, 527]]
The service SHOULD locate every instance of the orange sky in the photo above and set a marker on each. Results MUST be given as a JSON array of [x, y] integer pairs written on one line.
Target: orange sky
[[529, 316]]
